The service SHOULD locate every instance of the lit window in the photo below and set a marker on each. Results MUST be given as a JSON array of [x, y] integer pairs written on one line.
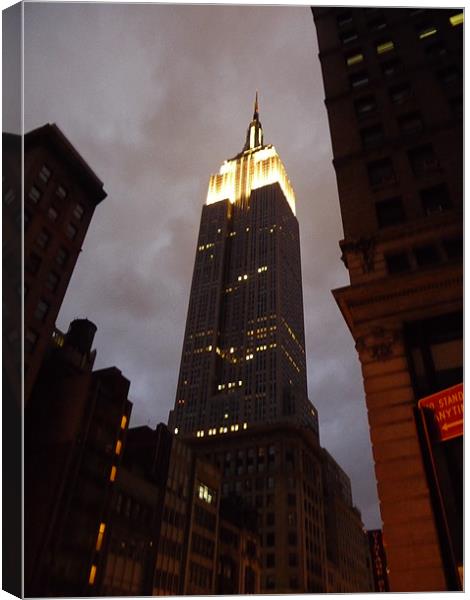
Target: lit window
[[118, 447], [45, 173], [427, 32], [176, 430], [99, 539], [206, 494], [91, 578], [354, 59], [384, 47], [123, 422], [112, 475], [456, 19]]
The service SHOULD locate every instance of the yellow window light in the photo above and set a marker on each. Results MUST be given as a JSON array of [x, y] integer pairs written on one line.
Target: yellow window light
[[385, 47], [112, 475], [354, 59], [99, 539], [456, 19], [91, 577], [118, 447], [427, 33], [123, 422], [176, 430]]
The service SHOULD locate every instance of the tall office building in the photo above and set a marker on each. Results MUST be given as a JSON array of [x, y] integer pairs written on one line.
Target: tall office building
[[242, 390], [61, 193], [243, 359], [393, 87]]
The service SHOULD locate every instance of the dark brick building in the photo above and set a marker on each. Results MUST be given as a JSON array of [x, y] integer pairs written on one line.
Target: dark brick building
[[75, 429], [61, 193], [393, 93]]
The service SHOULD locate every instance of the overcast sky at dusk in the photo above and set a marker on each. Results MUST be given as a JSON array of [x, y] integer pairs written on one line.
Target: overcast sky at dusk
[[155, 97]]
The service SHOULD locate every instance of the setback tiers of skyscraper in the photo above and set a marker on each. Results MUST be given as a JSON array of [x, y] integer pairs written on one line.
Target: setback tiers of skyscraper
[[242, 400], [243, 360]]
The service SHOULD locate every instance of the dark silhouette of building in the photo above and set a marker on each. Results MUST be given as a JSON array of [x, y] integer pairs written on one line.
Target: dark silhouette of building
[[393, 88], [242, 391], [11, 360], [131, 536], [379, 560], [61, 193], [75, 430], [167, 532]]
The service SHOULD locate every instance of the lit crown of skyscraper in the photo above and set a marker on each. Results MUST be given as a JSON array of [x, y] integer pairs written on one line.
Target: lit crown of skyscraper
[[256, 166]]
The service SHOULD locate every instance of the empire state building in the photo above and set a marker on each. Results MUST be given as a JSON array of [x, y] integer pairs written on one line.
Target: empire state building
[[242, 401], [243, 360]]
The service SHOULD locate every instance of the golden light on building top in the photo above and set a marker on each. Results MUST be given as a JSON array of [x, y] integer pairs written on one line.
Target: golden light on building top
[[256, 166]]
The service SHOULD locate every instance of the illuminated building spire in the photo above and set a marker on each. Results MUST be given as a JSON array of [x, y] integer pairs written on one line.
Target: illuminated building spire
[[256, 166], [254, 135]]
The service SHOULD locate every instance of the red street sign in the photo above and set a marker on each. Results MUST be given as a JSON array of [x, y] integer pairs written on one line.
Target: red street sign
[[447, 411]]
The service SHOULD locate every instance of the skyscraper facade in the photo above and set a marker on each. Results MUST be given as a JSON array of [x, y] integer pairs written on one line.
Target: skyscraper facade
[[393, 92], [243, 359], [242, 392]]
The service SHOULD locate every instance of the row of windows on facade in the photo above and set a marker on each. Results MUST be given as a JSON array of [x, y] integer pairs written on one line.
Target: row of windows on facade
[[270, 582], [34, 262], [132, 509], [230, 538], [367, 106], [164, 580], [447, 76], [372, 16], [409, 124], [35, 195], [424, 256], [121, 575], [423, 31], [433, 200], [422, 160]]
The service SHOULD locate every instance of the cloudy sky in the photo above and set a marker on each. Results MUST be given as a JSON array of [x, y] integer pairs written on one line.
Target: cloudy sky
[[155, 97]]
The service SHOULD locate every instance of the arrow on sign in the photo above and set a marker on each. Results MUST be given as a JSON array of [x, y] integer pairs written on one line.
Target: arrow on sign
[[447, 426]]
